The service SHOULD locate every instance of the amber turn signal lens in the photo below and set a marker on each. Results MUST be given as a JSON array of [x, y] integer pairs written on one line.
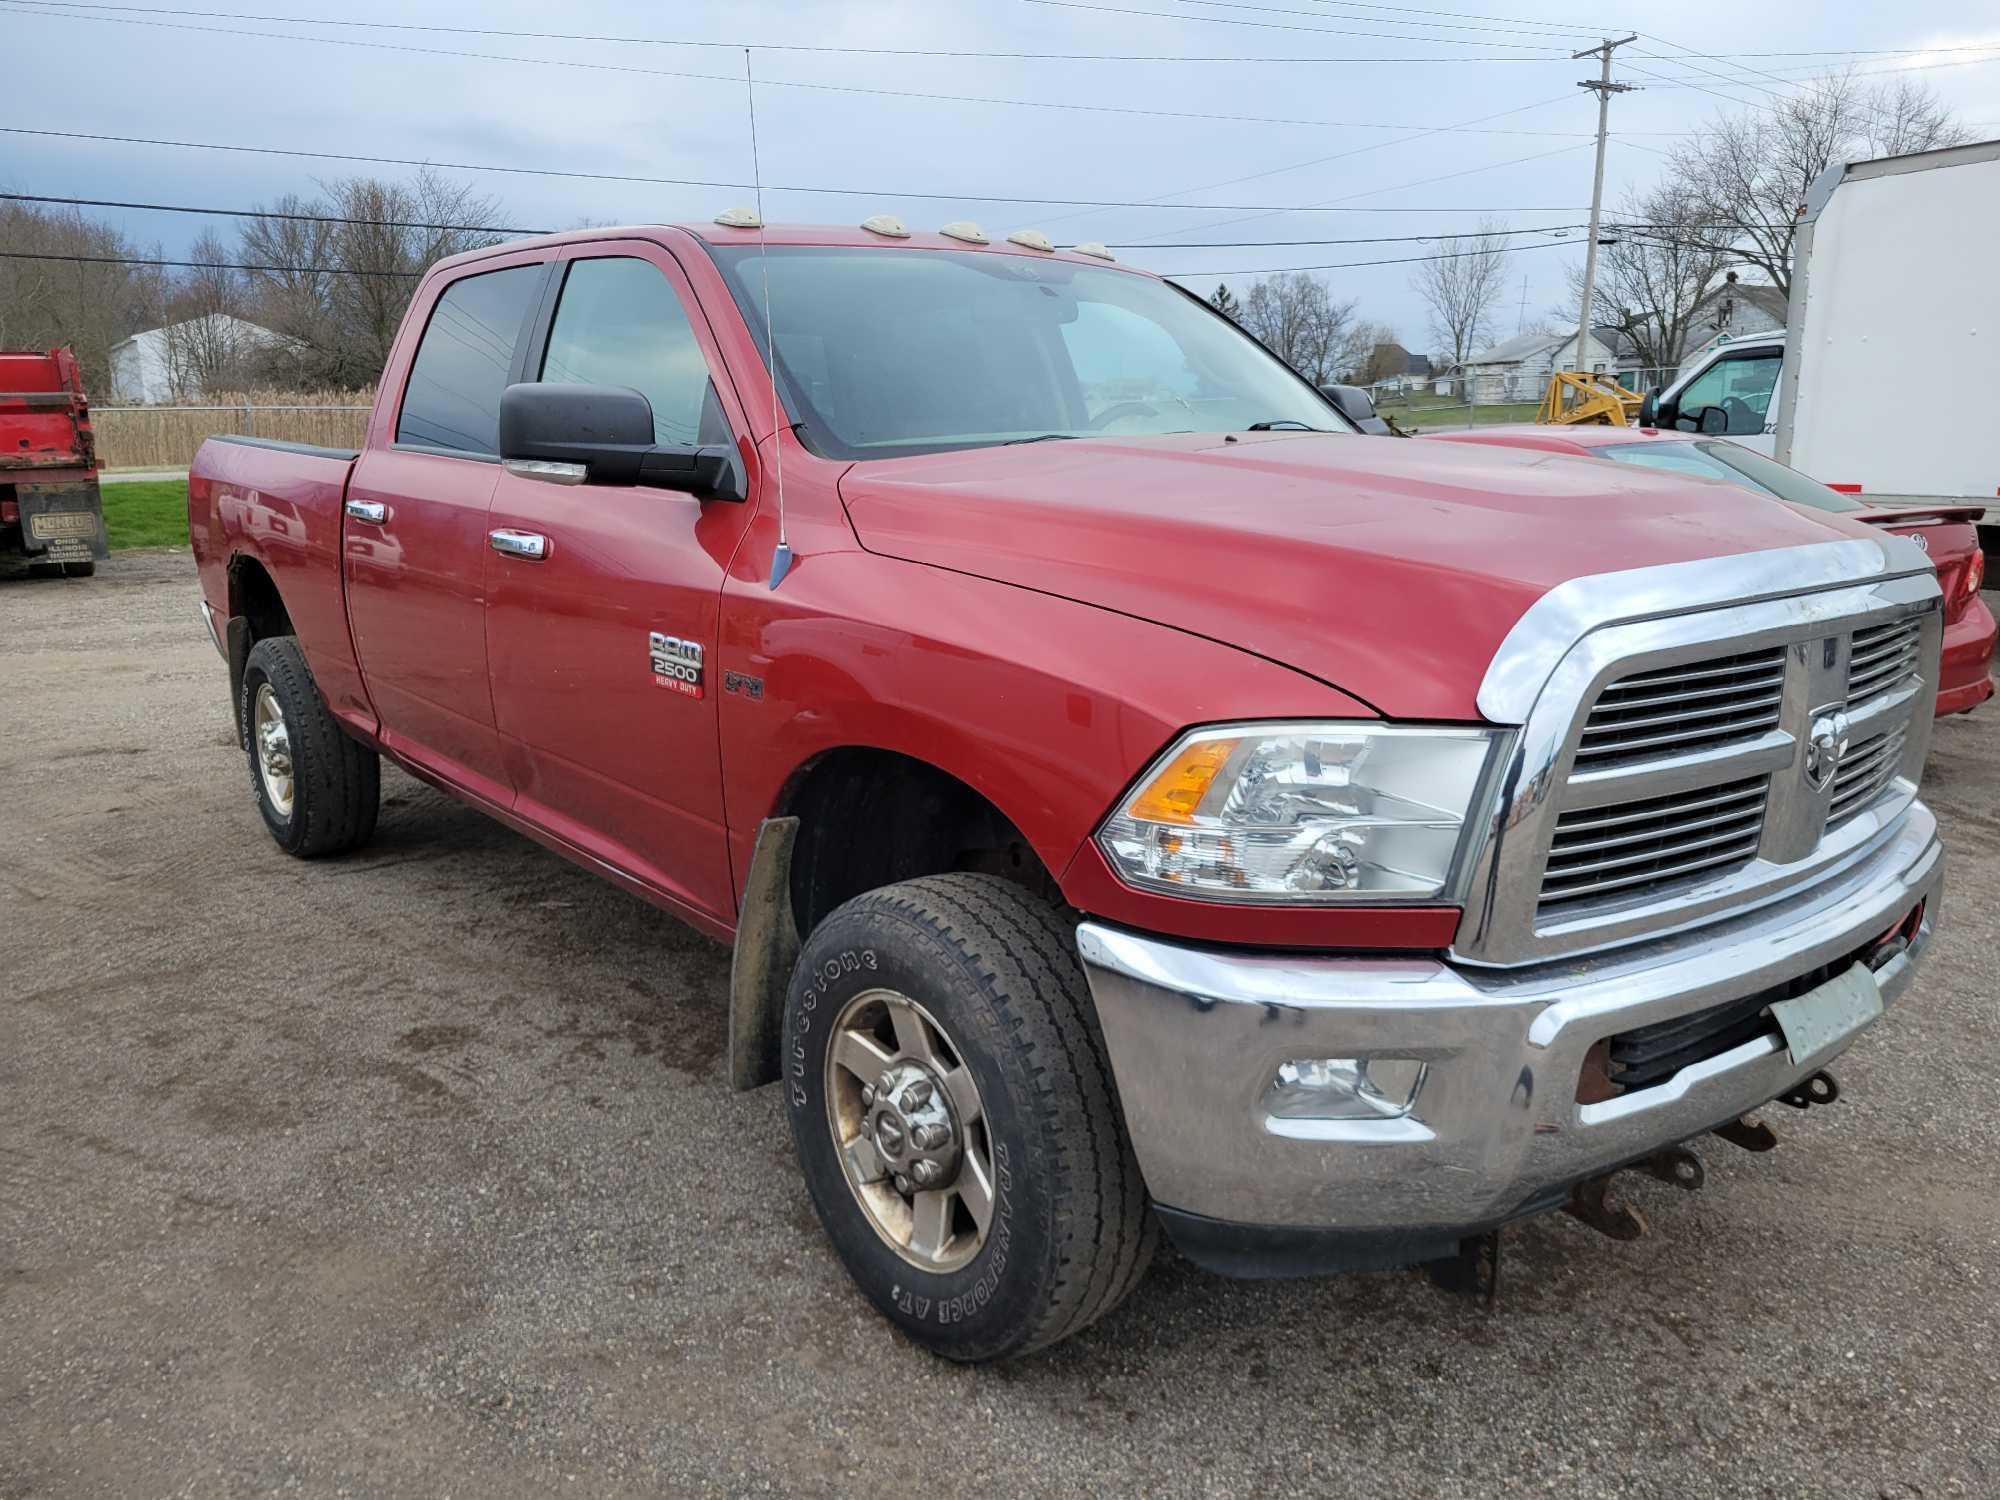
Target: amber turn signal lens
[[1173, 795]]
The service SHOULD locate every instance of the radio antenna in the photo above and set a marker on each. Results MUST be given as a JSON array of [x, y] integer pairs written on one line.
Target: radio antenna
[[781, 559]]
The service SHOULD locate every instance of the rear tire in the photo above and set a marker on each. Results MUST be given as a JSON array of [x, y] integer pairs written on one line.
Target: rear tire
[[970, 991], [318, 790]]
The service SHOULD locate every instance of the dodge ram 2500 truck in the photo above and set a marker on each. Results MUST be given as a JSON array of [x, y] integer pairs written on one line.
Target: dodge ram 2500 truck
[[1135, 800]]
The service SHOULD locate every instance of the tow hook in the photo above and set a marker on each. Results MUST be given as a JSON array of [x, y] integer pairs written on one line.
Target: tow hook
[[1751, 1133], [1677, 1166], [1591, 1202], [1821, 1088]]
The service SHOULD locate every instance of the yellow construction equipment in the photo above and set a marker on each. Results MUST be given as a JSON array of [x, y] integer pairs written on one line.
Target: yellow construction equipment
[[1574, 396]]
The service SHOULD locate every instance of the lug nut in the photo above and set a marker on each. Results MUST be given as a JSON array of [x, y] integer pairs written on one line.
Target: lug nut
[[902, 1183], [917, 1095], [867, 1095], [925, 1171], [930, 1137]]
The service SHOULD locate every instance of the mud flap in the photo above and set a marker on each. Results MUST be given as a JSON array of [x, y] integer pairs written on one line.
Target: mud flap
[[62, 522], [767, 950]]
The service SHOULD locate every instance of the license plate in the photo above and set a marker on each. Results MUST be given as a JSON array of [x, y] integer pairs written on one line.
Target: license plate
[[1832, 1013]]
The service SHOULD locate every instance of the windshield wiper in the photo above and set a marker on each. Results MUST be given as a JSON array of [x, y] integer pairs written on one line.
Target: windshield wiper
[[1285, 422], [1047, 437]]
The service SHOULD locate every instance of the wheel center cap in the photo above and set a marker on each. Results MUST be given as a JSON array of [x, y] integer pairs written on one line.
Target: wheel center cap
[[911, 1123]]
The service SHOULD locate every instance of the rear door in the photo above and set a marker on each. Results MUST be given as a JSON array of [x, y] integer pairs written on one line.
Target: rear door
[[601, 650], [414, 534]]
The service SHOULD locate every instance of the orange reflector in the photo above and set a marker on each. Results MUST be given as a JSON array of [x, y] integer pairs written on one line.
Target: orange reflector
[[1174, 794]]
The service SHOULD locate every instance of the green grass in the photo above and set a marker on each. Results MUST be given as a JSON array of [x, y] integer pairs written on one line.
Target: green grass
[[150, 513], [1427, 411]]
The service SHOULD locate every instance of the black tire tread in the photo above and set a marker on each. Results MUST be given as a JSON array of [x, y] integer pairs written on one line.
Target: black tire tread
[[340, 780], [1025, 950]]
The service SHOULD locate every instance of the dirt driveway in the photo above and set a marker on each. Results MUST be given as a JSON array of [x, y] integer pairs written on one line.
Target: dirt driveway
[[415, 1174]]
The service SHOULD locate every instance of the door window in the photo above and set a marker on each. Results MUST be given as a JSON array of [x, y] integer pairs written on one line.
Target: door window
[[1741, 387], [462, 365], [621, 323]]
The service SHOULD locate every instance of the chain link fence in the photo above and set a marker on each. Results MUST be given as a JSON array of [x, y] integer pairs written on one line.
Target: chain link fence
[[1488, 399]]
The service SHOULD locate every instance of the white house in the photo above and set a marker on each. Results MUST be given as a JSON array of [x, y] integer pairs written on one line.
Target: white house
[[1731, 310], [1519, 368], [162, 364]]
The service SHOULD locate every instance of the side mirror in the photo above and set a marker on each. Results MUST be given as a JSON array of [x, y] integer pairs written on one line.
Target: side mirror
[[1712, 421], [603, 434], [1355, 404], [1649, 408]]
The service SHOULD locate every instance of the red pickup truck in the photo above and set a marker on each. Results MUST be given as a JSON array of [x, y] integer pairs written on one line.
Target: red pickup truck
[[1135, 800]]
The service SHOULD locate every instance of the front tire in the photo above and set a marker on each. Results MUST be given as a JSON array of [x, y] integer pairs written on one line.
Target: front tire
[[318, 790], [956, 1118]]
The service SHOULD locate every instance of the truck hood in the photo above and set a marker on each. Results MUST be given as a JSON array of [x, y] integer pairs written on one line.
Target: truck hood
[[1391, 570]]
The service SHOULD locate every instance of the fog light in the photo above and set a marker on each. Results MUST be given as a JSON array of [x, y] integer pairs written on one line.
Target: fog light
[[1345, 1088]]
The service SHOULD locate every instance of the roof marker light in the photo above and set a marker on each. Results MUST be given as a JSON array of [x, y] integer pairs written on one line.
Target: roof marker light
[[1845, 489], [965, 229], [1033, 239], [739, 218], [886, 225], [1092, 247]]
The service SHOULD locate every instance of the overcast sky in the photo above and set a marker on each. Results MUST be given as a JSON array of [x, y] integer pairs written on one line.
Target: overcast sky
[[1328, 120]]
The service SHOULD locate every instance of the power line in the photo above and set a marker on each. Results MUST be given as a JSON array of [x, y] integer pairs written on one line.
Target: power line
[[1348, 265], [1533, 28], [265, 213], [875, 193], [1374, 239], [1428, 41], [661, 41], [1334, 203], [28, 7], [204, 265]]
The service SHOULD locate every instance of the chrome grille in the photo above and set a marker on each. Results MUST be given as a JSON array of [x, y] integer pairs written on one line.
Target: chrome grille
[[1633, 848], [1691, 706], [1883, 655], [1868, 767]]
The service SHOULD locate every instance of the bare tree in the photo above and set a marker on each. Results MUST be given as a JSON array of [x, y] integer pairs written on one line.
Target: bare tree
[[1750, 171], [88, 304], [342, 287], [206, 341], [1651, 280], [1294, 316], [1462, 288]]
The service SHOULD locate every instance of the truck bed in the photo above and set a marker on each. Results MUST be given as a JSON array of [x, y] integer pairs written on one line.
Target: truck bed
[[276, 508]]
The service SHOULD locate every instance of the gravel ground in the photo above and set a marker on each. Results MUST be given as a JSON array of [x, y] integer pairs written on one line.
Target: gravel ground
[[415, 1173]]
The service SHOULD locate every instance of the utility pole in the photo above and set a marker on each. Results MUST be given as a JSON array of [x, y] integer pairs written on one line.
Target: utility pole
[[1604, 88]]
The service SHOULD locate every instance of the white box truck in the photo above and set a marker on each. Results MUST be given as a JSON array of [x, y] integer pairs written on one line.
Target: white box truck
[[1883, 381]]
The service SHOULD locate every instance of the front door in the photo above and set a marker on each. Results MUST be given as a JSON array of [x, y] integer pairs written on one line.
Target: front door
[[601, 650], [413, 539]]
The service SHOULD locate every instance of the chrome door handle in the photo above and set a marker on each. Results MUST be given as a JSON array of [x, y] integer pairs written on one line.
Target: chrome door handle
[[526, 544], [372, 511]]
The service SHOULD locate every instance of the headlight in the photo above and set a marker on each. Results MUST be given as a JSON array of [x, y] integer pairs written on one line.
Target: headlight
[[1303, 813]]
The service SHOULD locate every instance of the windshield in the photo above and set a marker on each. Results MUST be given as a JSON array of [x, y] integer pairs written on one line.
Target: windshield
[[883, 352], [1736, 465]]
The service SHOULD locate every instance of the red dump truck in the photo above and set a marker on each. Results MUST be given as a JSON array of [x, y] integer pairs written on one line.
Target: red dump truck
[[51, 516], [1135, 800]]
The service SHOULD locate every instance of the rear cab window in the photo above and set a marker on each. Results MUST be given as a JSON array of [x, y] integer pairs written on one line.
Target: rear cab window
[[451, 400]]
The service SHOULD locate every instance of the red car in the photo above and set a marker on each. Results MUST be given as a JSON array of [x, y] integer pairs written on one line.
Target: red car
[[1949, 533]]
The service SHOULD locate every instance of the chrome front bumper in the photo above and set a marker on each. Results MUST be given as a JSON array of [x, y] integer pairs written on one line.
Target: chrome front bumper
[[1197, 1034]]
